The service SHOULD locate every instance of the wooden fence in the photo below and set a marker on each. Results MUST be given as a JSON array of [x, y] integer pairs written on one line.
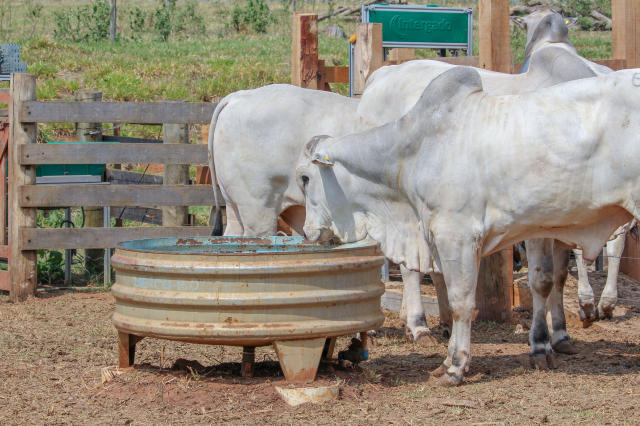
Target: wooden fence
[[25, 196]]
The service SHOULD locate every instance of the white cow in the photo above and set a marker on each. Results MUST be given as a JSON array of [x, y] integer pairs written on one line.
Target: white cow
[[545, 28], [550, 59], [465, 174], [256, 135]]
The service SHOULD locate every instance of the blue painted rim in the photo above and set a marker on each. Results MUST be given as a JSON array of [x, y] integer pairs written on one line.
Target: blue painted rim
[[236, 245]]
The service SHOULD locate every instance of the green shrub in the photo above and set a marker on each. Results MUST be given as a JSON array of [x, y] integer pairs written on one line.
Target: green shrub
[[164, 15], [84, 23], [34, 13], [585, 23], [188, 20], [254, 14], [137, 22]]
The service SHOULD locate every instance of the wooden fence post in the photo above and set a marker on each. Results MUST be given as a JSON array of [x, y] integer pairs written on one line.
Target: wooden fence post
[[367, 55], [625, 15], [304, 53], [23, 268], [495, 278], [113, 18], [494, 47], [94, 216], [175, 174]]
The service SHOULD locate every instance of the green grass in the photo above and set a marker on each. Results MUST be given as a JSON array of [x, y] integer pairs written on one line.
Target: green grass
[[194, 67]]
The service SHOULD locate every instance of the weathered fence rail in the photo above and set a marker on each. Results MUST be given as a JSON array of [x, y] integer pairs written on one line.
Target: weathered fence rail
[[113, 153], [109, 112], [114, 195], [70, 238]]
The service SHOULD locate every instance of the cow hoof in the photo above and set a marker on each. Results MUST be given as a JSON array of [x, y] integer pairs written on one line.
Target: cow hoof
[[449, 380], [543, 361], [588, 314], [439, 372], [606, 309], [446, 330], [566, 347], [423, 337]]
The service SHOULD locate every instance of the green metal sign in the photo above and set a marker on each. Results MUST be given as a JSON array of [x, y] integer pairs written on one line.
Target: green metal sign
[[422, 26]]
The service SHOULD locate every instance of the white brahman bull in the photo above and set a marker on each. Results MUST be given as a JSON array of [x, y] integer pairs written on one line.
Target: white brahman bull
[[465, 174], [254, 143], [551, 58], [547, 28]]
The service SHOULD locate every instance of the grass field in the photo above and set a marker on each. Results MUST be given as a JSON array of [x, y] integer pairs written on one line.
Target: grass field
[[192, 66]]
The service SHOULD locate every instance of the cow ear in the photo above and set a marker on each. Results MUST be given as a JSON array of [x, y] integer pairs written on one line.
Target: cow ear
[[322, 159], [311, 145], [519, 21], [570, 21]]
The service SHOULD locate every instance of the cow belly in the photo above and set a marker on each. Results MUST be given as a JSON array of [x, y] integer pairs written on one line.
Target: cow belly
[[591, 236]]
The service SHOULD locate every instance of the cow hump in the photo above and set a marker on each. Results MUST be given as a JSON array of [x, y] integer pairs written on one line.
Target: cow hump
[[450, 87]]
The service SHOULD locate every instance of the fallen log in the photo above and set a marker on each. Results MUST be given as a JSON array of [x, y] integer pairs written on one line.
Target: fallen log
[[603, 20]]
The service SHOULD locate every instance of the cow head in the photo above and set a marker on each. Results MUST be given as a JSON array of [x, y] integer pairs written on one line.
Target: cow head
[[544, 26], [328, 208]]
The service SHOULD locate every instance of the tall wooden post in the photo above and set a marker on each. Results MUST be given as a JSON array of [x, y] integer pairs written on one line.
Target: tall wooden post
[[304, 53], [495, 278], [113, 21], [23, 265], [175, 174], [493, 30], [94, 218], [367, 54], [625, 15]]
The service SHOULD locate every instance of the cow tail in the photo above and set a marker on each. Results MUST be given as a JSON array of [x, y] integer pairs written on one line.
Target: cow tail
[[217, 214]]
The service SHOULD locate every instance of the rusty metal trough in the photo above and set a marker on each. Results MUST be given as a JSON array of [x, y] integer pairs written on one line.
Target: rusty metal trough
[[247, 292]]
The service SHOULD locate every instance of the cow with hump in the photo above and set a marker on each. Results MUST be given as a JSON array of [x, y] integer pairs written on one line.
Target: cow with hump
[[550, 58], [464, 174]]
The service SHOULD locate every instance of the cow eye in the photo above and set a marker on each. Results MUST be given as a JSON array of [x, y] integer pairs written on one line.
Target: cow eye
[[305, 180]]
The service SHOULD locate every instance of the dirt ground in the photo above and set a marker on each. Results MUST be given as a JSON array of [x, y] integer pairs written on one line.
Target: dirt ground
[[53, 348]]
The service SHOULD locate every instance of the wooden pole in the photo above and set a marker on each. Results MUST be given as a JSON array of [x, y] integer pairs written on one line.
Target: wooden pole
[[304, 50], [175, 174], [94, 216], [494, 293], [368, 54], [626, 31], [113, 21], [493, 30], [23, 268], [495, 278]]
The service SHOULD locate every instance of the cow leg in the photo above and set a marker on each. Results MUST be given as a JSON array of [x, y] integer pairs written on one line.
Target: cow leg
[[258, 220], [609, 295], [444, 310], [586, 300], [559, 337], [416, 320], [403, 307], [459, 263], [540, 256], [234, 225]]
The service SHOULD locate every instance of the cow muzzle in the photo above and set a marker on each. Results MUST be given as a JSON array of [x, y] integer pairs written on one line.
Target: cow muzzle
[[315, 234]]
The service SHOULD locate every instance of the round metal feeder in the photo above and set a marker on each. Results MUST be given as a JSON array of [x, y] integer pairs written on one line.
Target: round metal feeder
[[247, 292]]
